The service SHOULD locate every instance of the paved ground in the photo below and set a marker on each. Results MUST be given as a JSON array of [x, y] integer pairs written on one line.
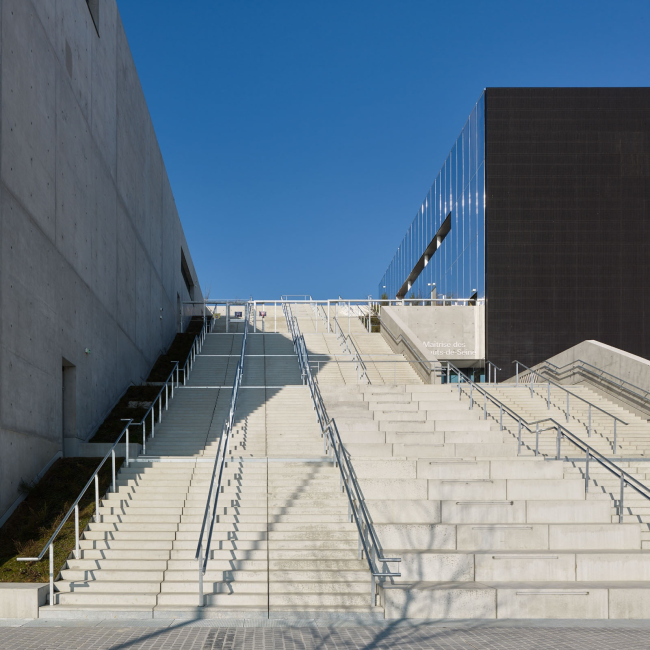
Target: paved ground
[[204, 635]]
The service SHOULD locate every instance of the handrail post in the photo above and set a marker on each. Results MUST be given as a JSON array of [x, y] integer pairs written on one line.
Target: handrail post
[[471, 396], [167, 396], [559, 441], [113, 464], [532, 376], [201, 599], [144, 438], [52, 574], [127, 447], [160, 407], [96, 498], [536, 438], [517, 366], [519, 439], [620, 503], [484, 406], [373, 581], [548, 397], [500, 416], [76, 532], [587, 473], [153, 421]]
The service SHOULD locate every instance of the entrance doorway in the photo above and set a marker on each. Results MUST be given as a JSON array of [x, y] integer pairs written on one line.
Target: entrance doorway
[[69, 400]]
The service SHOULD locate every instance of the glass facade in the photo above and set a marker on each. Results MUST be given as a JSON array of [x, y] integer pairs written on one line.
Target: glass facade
[[457, 268]]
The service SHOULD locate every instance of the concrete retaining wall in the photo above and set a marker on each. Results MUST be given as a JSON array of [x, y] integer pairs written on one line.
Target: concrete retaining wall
[[90, 257], [403, 340]]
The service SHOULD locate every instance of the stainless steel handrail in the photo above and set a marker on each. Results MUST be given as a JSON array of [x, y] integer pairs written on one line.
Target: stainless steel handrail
[[590, 453], [611, 378], [357, 510], [492, 371], [569, 394], [346, 340], [168, 384], [425, 364], [75, 508], [222, 451]]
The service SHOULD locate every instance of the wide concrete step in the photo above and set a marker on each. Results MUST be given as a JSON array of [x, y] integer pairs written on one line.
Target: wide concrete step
[[109, 586], [109, 601], [117, 576], [516, 600]]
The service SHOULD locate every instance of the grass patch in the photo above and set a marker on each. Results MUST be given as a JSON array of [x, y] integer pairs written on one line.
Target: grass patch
[[31, 525], [133, 405], [137, 399]]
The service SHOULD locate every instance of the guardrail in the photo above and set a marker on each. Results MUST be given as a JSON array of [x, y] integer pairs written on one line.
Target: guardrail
[[534, 374], [626, 480], [333, 447], [222, 452], [75, 508]]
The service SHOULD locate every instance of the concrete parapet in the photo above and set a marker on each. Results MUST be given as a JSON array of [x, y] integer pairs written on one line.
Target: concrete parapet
[[22, 599]]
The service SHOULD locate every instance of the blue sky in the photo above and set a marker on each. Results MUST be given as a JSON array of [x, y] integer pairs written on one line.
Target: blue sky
[[300, 137]]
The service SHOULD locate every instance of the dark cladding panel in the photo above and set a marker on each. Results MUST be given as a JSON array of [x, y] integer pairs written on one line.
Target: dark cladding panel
[[567, 220]]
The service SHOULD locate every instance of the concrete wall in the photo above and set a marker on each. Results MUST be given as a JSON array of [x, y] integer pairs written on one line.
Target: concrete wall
[[449, 333], [628, 367], [90, 238]]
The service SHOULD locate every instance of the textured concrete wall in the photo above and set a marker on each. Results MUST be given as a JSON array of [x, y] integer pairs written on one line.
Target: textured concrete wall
[[453, 333], [90, 238]]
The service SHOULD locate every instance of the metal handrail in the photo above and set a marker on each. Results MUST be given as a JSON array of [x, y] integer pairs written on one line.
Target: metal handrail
[[492, 371], [197, 345], [423, 363], [75, 508], [346, 340], [357, 510], [167, 385], [570, 367], [569, 394], [591, 453], [222, 451]]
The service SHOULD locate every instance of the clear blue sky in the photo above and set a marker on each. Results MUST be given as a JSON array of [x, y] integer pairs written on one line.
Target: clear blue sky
[[300, 137]]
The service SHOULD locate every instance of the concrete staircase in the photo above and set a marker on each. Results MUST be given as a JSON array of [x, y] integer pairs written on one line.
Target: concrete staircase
[[283, 544], [330, 362], [633, 439], [484, 533]]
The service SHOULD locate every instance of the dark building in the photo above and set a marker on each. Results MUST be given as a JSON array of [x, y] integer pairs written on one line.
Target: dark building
[[544, 210]]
